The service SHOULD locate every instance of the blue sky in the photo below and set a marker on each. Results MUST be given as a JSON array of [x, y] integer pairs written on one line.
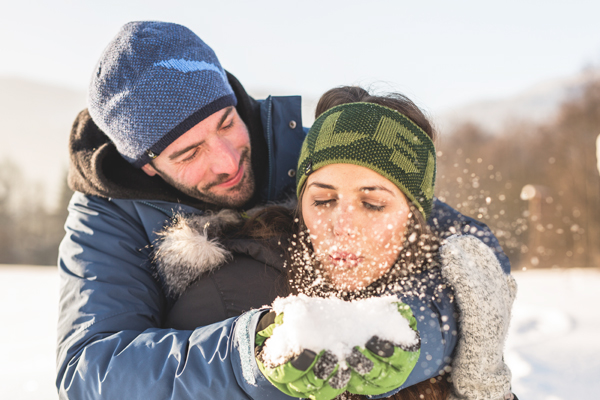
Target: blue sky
[[440, 53]]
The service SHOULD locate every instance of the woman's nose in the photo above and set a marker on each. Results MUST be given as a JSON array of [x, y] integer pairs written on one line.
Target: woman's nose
[[343, 221]]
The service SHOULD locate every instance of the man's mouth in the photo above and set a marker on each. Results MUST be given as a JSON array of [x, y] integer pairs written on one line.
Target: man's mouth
[[224, 183], [234, 180]]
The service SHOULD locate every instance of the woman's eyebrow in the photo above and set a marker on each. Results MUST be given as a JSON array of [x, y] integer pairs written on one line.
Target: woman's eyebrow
[[373, 188], [322, 185]]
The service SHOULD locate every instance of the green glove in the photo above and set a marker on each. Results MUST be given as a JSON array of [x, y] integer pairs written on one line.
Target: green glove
[[381, 366], [308, 375]]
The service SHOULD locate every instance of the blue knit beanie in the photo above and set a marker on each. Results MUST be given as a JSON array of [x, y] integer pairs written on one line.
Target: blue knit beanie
[[154, 82]]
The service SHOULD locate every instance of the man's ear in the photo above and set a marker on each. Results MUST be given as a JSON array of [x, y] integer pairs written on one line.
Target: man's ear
[[149, 170]]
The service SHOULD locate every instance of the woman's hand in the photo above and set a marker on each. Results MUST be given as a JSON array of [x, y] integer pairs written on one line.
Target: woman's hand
[[381, 366], [373, 369], [308, 375]]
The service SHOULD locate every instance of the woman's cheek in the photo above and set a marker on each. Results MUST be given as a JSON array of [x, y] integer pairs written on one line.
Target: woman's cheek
[[380, 233]]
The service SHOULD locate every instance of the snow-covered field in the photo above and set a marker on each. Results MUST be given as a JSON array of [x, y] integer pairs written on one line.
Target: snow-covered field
[[553, 347]]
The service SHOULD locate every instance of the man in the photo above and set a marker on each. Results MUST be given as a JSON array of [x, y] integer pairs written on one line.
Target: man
[[168, 131]]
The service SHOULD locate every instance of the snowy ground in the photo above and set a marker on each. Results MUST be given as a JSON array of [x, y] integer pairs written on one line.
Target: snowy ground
[[553, 347]]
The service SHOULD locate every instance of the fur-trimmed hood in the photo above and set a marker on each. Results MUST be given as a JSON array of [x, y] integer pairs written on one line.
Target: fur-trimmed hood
[[192, 246]]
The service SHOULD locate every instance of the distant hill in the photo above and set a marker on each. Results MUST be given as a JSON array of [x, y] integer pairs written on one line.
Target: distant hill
[[35, 121], [536, 104]]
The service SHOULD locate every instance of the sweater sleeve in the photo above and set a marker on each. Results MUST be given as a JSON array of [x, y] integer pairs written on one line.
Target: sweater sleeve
[[110, 341]]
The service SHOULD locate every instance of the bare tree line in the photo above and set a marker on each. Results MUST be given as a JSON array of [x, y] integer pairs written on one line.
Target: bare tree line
[[29, 232], [536, 186]]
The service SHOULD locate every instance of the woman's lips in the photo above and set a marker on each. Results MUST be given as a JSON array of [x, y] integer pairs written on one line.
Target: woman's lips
[[344, 259]]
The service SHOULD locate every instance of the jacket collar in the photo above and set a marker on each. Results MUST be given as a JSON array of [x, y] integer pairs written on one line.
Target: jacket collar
[[96, 168]]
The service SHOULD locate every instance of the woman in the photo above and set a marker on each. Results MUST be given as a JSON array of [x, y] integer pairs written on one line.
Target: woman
[[365, 188]]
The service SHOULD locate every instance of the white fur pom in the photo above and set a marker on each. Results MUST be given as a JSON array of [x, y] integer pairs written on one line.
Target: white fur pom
[[184, 252]]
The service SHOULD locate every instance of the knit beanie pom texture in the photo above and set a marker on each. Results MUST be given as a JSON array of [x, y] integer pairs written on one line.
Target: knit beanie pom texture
[[375, 137], [154, 82]]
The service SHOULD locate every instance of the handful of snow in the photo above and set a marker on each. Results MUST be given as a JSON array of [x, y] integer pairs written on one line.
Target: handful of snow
[[332, 324]]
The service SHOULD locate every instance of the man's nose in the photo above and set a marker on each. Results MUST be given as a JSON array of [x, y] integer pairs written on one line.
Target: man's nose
[[225, 157]]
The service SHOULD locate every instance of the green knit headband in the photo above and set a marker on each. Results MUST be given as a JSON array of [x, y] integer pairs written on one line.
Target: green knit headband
[[375, 137]]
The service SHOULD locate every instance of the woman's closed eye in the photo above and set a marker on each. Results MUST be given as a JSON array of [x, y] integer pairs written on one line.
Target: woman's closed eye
[[330, 202], [320, 203], [372, 207]]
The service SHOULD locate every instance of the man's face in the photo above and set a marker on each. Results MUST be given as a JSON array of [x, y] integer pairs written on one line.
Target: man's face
[[210, 162]]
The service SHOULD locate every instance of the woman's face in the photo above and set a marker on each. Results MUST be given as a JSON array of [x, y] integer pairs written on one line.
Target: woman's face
[[357, 221]]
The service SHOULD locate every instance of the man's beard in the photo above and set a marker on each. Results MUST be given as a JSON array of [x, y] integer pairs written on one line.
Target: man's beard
[[237, 195]]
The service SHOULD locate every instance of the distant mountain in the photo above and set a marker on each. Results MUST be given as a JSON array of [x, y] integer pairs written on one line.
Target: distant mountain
[[536, 104], [35, 121]]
